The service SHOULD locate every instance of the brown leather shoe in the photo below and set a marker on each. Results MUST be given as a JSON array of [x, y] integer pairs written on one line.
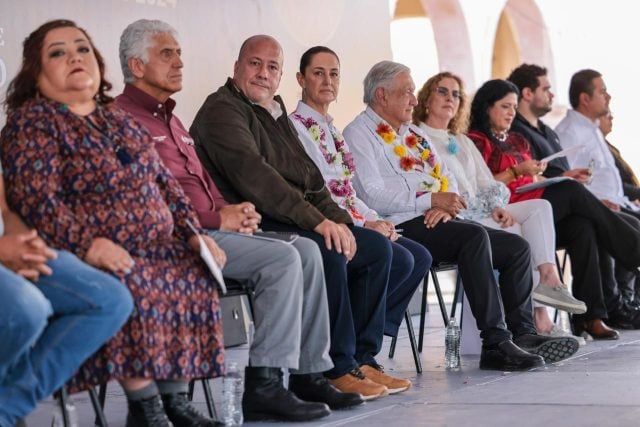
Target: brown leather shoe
[[597, 329], [377, 375], [356, 382]]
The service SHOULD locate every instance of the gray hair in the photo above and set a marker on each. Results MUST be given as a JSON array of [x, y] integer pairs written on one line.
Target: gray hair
[[136, 40], [381, 75]]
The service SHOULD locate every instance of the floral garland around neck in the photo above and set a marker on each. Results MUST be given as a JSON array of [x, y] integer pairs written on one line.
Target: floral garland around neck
[[414, 151], [341, 187]]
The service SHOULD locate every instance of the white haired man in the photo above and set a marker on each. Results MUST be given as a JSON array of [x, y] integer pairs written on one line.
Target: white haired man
[[291, 315], [401, 176]]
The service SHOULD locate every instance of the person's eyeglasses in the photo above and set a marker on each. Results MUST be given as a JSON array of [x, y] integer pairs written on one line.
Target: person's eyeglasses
[[443, 91]]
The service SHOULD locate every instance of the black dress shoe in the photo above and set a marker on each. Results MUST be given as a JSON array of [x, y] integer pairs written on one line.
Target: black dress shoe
[[625, 317], [147, 413], [506, 356], [552, 349], [316, 388], [265, 398], [182, 414]]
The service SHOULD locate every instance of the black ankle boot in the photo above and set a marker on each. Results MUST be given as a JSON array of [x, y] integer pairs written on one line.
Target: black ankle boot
[[265, 398], [182, 414], [147, 413], [316, 388]]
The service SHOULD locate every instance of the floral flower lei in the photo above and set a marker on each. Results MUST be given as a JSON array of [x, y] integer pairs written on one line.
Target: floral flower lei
[[342, 186], [414, 151]]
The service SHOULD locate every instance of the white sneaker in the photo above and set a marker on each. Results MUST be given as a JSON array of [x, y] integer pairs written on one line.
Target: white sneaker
[[558, 297]]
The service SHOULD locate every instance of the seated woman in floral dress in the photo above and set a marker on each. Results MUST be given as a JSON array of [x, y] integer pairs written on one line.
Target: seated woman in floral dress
[[442, 112], [85, 174]]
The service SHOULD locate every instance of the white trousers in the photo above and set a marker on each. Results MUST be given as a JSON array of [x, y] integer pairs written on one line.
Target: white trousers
[[534, 222]]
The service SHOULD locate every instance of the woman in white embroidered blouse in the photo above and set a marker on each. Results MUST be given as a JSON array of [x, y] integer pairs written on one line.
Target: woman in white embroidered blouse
[[319, 77], [442, 113]]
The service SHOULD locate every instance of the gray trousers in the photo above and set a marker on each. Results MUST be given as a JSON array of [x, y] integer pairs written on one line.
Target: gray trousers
[[290, 305]]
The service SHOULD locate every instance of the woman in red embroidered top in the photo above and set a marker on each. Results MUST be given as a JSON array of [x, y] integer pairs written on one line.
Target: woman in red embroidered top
[[582, 221], [86, 175]]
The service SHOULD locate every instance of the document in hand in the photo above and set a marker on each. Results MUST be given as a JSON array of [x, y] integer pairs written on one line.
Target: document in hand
[[541, 184], [562, 153], [208, 259]]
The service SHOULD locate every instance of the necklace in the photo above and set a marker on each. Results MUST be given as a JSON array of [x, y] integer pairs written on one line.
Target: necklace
[[452, 147], [500, 136]]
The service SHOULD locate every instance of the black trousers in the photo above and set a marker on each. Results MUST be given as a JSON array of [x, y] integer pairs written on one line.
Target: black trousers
[[356, 295], [584, 225], [628, 280], [478, 250]]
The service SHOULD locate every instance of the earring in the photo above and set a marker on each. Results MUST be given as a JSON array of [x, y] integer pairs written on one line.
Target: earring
[[304, 93]]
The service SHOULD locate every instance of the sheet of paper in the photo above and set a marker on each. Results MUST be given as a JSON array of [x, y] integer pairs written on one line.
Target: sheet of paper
[[541, 184], [208, 259], [562, 153]]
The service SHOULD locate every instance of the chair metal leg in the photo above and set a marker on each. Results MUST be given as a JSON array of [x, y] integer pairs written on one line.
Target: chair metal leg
[[412, 341], [443, 308], [102, 394], [208, 395], [423, 311], [100, 420], [98, 405], [62, 401], [190, 392], [392, 347], [457, 296]]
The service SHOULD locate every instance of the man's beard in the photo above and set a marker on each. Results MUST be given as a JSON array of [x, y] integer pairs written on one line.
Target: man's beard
[[540, 110]]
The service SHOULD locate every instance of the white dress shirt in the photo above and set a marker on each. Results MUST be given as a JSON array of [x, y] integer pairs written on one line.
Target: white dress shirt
[[396, 194], [576, 129], [358, 210]]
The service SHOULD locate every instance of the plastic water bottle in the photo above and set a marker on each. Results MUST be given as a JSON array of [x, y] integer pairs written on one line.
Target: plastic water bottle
[[452, 346], [58, 420], [232, 388]]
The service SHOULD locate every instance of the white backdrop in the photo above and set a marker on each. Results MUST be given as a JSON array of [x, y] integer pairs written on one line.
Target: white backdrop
[[211, 33]]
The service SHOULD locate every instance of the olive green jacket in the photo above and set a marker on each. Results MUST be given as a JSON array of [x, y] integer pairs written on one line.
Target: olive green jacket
[[251, 156]]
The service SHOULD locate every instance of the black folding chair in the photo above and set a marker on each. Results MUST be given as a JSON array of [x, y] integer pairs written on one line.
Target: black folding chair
[[234, 288], [63, 398], [423, 311], [436, 284], [412, 340]]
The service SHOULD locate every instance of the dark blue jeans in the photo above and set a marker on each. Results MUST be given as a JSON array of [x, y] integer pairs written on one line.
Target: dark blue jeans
[[356, 293], [36, 358]]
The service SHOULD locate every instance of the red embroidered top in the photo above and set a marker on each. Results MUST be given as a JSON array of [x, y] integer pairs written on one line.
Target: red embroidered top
[[500, 160]]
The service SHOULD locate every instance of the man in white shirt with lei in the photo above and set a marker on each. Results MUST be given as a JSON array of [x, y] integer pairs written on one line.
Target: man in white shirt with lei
[[401, 176]]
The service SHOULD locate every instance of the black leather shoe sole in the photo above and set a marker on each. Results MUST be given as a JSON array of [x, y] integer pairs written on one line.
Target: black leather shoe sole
[[266, 416], [556, 349], [507, 366], [499, 362]]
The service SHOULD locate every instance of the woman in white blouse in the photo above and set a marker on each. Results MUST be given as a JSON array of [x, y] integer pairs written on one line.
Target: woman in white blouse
[[319, 77], [442, 113]]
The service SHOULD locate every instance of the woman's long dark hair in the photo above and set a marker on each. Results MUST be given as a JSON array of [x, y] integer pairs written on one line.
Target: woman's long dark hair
[[24, 86], [488, 94]]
